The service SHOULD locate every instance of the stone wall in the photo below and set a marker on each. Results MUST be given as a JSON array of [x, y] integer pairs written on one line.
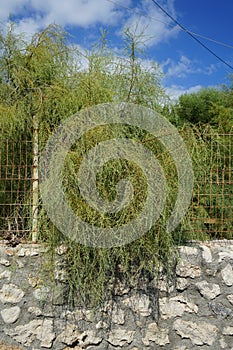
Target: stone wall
[[195, 310]]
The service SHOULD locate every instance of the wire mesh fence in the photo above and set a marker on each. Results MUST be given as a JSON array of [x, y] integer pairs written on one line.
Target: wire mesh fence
[[15, 188], [210, 214], [211, 210]]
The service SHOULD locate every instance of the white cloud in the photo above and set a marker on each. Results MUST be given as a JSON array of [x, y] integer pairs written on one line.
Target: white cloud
[[11, 7], [179, 69], [175, 91], [77, 12], [185, 67], [37, 14], [28, 26], [33, 15]]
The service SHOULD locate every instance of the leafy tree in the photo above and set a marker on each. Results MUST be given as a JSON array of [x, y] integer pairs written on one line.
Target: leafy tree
[[45, 81], [208, 106]]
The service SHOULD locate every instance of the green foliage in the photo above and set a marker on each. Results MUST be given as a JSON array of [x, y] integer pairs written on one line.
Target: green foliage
[[127, 264], [210, 105], [46, 78]]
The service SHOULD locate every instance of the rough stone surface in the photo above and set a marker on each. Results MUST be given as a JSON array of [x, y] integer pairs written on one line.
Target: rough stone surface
[[35, 311], [41, 293], [191, 310], [118, 315], [228, 330], [227, 275], [208, 290], [220, 310], [120, 337], [206, 254], [185, 251], [222, 343], [181, 283], [10, 293], [155, 334], [199, 334], [176, 306], [5, 274], [139, 304], [230, 298], [5, 262], [11, 314], [41, 330], [72, 335], [225, 255], [185, 269]]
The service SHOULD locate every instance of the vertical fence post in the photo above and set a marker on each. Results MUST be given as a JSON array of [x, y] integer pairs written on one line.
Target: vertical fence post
[[35, 180]]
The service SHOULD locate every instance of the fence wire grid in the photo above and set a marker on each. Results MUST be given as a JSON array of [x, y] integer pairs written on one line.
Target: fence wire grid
[[210, 213]]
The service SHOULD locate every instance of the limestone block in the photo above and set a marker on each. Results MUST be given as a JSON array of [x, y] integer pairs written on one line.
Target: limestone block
[[10, 293], [34, 281], [176, 306], [5, 262], [90, 338], [83, 314], [5, 274], [35, 311], [29, 250], [230, 298], [118, 315], [182, 283], [222, 343], [225, 255], [206, 254], [155, 334], [139, 304], [120, 337], [202, 333], [41, 293], [220, 310], [77, 315], [101, 325], [41, 330], [208, 290], [228, 330], [185, 251], [11, 314], [227, 275], [72, 335], [165, 286], [185, 269]]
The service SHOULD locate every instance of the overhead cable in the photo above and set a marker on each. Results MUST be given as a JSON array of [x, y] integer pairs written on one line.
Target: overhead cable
[[166, 23], [190, 34]]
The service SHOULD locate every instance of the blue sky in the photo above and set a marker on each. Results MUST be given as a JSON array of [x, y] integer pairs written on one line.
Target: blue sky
[[186, 65]]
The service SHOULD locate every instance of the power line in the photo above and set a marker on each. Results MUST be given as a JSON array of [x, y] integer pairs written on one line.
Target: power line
[[210, 39], [190, 34], [166, 23]]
